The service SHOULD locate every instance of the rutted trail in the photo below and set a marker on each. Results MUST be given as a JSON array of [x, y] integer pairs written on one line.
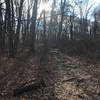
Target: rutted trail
[[74, 81]]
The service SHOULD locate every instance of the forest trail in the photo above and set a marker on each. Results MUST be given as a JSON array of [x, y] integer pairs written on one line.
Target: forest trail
[[75, 80], [66, 78]]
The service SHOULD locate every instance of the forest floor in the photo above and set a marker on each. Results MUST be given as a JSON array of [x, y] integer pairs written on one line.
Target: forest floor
[[65, 77]]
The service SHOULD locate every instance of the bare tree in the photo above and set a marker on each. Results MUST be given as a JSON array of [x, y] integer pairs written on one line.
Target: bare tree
[[72, 17], [28, 18], [62, 16], [84, 10], [71, 27], [18, 27], [44, 34], [33, 26], [95, 24], [9, 29], [1, 22], [51, 26]]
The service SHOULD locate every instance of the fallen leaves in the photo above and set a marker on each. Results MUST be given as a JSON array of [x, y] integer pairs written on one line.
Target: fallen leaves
[[66, 78]]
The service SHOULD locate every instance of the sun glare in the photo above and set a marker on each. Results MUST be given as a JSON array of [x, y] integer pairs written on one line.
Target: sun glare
[[45, 6]]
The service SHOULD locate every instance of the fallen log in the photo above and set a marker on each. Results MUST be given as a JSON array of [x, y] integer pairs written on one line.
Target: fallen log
[[73, 79], [28, 87], [69, 80]]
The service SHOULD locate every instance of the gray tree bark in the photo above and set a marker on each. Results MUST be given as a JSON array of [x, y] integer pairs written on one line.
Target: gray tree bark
[[16, 41], [33, 27]]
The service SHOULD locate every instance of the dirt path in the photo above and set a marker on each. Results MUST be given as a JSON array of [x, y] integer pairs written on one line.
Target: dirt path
[[75, 81]]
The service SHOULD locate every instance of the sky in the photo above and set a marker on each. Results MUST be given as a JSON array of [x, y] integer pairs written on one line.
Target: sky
[[47, 6], [97, 2]]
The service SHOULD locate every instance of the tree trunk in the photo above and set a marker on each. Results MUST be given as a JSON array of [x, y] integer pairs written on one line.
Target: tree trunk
[[61, 22], [28, 21], [95, 26], [51, 30], [16, 41], [71, 28], [13, 21], [33, 26], [1, 44], [44, 36], [9, 29]]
